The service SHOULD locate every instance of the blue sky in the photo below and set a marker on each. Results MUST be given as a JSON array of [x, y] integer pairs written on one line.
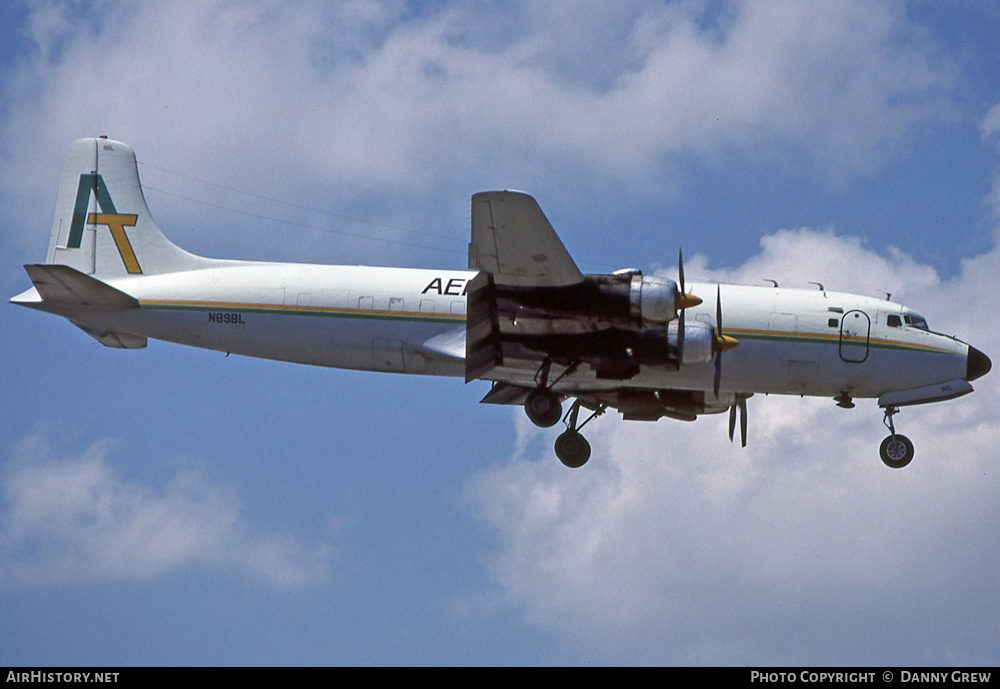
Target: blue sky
[[174, 506]]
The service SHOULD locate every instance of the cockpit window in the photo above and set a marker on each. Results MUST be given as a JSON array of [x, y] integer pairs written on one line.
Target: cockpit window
[[916, 321], [894, 322]]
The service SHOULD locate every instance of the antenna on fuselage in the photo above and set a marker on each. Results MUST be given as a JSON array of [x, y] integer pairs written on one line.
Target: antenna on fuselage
[[820, 285], [773, 282]]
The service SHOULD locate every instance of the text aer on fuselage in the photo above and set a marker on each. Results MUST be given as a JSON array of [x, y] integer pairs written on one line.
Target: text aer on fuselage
[[524, 317]]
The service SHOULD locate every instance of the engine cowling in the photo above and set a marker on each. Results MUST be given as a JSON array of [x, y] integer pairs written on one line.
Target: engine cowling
[[698, 339], [653, 299], [658, 345]]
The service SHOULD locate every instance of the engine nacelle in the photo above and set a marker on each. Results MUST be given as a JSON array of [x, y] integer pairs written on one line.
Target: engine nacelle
[[698, 338], [658, 345], [652, 299]]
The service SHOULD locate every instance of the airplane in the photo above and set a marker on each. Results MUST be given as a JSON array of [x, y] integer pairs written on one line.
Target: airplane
[[522, 317]]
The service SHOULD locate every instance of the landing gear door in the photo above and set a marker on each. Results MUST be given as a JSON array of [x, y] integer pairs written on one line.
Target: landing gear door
[[855, 331]]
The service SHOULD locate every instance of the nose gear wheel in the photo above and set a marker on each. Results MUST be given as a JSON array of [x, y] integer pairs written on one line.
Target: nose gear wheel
[[896, 450]]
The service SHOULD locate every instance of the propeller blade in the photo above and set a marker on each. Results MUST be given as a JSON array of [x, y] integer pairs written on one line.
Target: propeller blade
[[680, 268], [721, 342], [743, 421], [718, 310], [680, 338], [683, 300], [741, 405], [718, 373], [717, 379]]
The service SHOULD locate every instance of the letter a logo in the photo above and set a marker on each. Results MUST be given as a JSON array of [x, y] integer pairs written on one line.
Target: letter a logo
[[94, 183]]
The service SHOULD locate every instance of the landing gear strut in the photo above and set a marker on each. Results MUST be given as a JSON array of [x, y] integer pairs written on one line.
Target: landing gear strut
[[896, 450], [544, 408], [572, 449]]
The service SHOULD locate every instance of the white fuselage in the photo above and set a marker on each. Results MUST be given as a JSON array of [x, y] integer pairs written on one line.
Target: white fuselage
[[805, 342]]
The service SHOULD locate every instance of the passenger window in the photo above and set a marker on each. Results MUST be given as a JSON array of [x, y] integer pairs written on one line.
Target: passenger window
[[894, 322], [833, 322]]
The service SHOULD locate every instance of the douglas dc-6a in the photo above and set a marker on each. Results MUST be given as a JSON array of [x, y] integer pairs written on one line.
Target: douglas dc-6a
[[523, 317]]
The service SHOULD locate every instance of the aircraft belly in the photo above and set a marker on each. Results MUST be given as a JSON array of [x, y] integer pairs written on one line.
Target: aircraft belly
[[813, 368], [349, 342]]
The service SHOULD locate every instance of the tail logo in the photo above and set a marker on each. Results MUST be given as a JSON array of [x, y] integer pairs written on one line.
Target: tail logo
[[115, 221]]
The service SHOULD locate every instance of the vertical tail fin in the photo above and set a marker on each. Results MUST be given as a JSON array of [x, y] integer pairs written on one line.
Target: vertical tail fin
[[102, 225]]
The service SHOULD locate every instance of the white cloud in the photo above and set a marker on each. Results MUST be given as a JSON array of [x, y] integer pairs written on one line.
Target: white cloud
[[672, 535], [78, 520], [364, 98]]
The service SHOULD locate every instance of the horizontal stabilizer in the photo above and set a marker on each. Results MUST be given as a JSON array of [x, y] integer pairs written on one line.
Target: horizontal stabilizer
[[59, 284], [112, 338]]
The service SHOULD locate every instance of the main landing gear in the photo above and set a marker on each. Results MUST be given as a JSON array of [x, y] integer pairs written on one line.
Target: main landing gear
[[543, 406], [544, 409], [896, 450], [572, 449]]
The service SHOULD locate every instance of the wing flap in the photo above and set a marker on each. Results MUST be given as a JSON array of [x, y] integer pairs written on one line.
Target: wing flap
[[482, 328], [505, 393]]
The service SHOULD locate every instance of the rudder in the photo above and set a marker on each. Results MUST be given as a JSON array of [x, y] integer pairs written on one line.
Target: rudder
[[102, 225]]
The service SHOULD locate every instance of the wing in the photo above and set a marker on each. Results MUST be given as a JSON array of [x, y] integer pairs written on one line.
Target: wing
[[514, 242], [534, 321], [529, 303]]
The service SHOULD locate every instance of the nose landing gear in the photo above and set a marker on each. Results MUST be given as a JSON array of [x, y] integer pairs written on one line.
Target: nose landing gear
[[896, 450]]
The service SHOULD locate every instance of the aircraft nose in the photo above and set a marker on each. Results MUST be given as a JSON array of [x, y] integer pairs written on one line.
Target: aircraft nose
[[978, 364]]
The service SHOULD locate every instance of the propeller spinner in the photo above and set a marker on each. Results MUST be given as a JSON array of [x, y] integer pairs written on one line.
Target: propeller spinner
[[683, 300]]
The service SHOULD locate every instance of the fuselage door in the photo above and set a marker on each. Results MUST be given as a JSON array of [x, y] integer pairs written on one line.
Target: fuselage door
[[855, 330]]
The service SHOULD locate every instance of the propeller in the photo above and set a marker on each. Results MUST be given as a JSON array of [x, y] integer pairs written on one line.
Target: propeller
[[682, 302], [721, 342], [741, 403]]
